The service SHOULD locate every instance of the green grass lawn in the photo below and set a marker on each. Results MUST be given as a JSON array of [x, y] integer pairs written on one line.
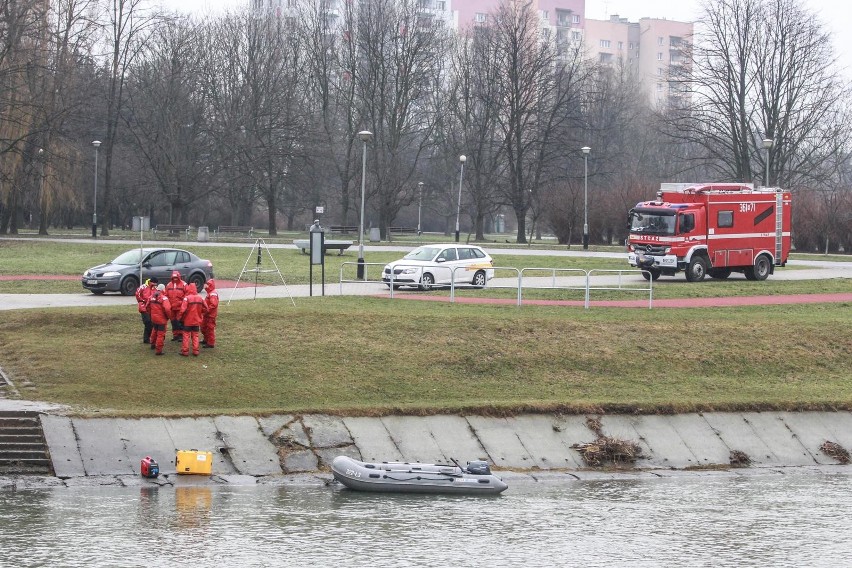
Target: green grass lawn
[[375, 356]]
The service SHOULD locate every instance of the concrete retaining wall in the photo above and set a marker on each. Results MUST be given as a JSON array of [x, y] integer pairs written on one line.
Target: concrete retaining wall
[[289, 444]]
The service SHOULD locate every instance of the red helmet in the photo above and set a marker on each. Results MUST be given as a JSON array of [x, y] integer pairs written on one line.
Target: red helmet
[[175, 274], [190, 289], [210, 285]]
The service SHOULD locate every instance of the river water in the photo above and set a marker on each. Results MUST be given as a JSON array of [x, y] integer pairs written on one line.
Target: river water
[[690, 520]]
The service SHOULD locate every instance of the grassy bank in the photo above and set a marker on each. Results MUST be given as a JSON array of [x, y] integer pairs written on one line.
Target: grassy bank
[[368, 356]]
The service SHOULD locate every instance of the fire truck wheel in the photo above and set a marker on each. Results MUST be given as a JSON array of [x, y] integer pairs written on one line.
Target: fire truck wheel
[[760, 270], [720, 273], [697, 269], [651, 274]]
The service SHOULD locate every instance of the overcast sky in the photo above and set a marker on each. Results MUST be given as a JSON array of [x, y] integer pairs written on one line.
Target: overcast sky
[[836, 14]]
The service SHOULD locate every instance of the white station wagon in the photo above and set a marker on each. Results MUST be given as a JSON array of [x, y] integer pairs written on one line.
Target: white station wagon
[[436, 265]]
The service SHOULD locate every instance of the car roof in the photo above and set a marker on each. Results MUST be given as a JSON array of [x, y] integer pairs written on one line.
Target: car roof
[[147, 250], [445, 245]]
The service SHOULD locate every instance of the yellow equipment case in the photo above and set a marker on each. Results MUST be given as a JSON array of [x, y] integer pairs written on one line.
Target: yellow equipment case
[[188, 462]]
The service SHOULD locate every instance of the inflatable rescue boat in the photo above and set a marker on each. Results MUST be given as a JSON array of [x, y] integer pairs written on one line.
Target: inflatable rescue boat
[[474, 479]]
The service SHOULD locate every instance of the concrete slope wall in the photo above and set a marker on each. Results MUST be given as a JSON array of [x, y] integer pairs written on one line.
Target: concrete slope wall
[[275, 445]]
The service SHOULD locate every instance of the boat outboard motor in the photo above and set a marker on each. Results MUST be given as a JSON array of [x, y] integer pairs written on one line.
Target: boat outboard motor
[[478, 468]]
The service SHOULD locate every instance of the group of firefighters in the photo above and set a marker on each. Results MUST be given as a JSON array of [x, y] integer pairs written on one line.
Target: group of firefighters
[[181, 304]]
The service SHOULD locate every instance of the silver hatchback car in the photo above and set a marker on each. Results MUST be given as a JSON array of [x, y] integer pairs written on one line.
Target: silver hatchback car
[[438, 265], [123, 273]]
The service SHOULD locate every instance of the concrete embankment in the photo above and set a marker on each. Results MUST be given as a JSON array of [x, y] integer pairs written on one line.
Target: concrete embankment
[[265, 449]]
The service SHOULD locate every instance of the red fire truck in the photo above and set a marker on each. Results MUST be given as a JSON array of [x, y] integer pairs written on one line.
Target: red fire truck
[[710, 229]]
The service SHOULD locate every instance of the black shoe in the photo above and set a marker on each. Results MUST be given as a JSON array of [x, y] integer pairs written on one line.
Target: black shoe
[[153, 346], [177, 338], [145, 341], [205, 346], [204, 342], [158, 353]]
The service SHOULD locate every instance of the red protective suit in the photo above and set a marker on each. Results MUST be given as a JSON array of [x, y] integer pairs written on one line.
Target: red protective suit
[[211, 303], [191, 315], [161, 311], [176, 290], [143, 294]]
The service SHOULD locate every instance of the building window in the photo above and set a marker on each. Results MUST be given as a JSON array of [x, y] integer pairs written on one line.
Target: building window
[[659, 41], [575, 19], [480, 18], [620, 45], [659, 71], [630, 46], [605, 57], [442, 5], [659, 56], [575, 35], [605, 43]]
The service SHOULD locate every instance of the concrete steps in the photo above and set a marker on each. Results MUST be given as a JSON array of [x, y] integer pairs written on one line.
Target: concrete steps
[[23, 450]]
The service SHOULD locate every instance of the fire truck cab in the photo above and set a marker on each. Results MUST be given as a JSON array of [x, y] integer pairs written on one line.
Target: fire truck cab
[[710, 229]]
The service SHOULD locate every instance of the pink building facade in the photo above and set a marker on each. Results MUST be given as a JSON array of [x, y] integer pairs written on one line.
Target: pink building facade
[[657, 49]]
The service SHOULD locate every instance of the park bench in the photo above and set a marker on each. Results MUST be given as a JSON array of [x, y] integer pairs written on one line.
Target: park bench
[[343, 229], [403, 230], [305, 245], [172, 229], [233, 229]]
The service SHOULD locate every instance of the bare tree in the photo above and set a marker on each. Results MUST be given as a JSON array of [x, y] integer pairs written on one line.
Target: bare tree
[[58, 88], [260, 93], [127, 27], [22, 27], [332, 60], [400, 66], [539, 97], [472, 126], [168, 118], [764, 69]]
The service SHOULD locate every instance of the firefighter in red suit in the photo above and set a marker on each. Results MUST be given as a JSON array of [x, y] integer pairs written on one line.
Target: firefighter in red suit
[[191, 315], [211, 304], [143, 294], [176, 290], [161, 312]]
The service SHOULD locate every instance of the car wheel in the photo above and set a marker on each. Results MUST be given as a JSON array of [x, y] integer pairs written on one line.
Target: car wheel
[[697, 269], [198, 280], [427, 281], [651, 274], [479, 279], [129, 286], [760, 270], [97, 292]]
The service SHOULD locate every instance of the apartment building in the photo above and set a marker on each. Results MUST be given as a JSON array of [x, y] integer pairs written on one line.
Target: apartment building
[[656, 48]]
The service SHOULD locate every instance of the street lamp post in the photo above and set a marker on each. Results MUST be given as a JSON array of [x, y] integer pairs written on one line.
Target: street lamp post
[[419, 204], [767, 145], [462, 160], [96, 144], [585, 150], [42, 224], [365, 136]]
